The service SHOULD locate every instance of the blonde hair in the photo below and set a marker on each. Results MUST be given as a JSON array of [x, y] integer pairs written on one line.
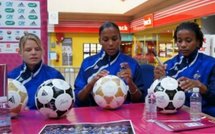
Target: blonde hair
[[29, 36]]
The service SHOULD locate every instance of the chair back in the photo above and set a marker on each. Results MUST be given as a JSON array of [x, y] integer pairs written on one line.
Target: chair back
[[148, 75]]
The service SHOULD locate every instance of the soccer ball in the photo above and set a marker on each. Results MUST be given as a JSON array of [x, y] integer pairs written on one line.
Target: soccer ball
[[54, 98], [17, 97], [110, 92], [170, 97]]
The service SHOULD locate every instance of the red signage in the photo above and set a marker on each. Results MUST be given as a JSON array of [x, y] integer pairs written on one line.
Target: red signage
[[87, 27], [124, 28], [148, 20], [142, 23], [190, 9]]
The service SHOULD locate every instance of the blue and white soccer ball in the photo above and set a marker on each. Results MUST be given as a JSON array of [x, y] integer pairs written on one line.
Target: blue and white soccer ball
[[54, 98]]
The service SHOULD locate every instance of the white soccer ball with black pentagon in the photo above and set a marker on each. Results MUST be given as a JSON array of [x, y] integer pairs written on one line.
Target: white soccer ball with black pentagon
[[170, 97], [54, 98], [17, 97], [110, 92]]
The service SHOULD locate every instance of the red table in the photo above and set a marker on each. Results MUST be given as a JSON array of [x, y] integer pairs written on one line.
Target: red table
[[31, 122]]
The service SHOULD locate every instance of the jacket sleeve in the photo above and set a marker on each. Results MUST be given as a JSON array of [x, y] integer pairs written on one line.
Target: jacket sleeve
[[79, 84], [138, 80], [210, 94]]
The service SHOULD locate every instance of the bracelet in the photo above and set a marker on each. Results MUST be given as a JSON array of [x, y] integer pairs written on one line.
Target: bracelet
[[132, 93]]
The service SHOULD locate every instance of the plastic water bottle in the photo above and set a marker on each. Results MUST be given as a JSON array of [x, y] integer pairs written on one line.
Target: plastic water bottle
[[150, 107], [5, 119], [195, 105]]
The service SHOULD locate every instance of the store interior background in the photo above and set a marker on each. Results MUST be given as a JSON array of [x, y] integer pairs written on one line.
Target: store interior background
[[70, 47], [72, 29], [70, 40]]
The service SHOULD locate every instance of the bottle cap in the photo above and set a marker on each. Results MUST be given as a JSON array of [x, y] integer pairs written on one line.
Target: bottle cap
[[195, 89]]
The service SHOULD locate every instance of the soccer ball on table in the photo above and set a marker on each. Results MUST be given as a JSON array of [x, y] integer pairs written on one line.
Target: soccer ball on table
[[54, 98], [17, 97], [110, 92], [170, 97]]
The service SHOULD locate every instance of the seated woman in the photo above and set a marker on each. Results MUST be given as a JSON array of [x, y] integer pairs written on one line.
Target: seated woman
[[191, 68], [108, 61], [32, 72]]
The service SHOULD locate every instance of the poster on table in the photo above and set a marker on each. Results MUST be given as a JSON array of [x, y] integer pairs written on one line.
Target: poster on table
[[185, 125], [18, 17], [120, 127]]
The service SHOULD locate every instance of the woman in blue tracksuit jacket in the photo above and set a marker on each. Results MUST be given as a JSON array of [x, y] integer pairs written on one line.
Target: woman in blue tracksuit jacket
[[32, 72], [108, 61], [190, 67]]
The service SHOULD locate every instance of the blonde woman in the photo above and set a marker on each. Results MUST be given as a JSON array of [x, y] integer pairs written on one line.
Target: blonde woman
[[32, 72]]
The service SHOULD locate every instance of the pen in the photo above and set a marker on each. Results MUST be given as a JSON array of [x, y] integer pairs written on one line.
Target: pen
[[159, 61]]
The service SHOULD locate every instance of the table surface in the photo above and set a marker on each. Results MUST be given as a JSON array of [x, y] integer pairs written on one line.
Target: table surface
[[31, 122]]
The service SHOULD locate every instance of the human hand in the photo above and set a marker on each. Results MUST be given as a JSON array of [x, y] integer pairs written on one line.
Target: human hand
[[101, 74], [84, 93], [98, 76], [159, 71], [125, 72], [187, 84]]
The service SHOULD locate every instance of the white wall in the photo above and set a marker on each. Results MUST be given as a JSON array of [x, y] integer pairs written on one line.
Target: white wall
[[93, 6]]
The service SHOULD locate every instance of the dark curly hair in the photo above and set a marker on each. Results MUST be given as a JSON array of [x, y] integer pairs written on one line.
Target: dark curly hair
[[192, 26]]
